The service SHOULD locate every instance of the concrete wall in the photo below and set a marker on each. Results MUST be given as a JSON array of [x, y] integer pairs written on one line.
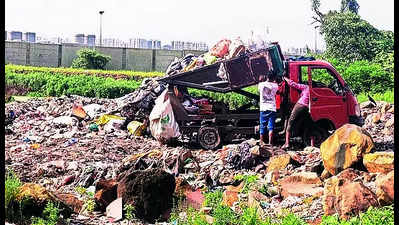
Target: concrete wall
[[16, 53], [55, 55], [44, 55]]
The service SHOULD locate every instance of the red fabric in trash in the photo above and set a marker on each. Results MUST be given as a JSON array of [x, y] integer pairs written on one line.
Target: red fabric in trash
[[221, 48]]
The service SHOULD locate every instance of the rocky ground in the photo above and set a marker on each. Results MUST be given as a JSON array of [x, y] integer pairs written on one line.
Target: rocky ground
[[45, 145]]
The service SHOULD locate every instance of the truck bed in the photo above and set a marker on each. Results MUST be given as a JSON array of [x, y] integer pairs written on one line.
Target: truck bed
[[241, 71]]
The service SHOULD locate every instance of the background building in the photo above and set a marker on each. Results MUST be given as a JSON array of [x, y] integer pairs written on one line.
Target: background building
[[30, 37], [91, 40], [16, 35], [80, 38]]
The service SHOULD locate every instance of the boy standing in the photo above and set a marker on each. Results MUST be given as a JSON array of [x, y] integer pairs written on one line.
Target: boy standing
[[267, 92]]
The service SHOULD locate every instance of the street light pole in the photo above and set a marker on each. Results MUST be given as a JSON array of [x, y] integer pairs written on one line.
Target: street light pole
[[315, 39], [101, 25]]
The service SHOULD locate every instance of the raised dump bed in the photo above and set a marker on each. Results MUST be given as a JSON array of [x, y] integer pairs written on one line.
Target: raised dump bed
[[241, 71]]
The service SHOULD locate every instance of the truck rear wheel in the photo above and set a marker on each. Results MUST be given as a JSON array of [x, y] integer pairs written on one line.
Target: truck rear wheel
[[209, 138]]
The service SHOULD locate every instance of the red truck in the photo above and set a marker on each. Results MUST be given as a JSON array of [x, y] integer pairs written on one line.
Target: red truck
[[332, 103]]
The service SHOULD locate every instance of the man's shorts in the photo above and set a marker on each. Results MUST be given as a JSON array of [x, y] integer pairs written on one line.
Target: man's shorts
[[266, 117]]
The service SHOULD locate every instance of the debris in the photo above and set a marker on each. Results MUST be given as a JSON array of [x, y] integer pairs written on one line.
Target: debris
[[136, 128], [114, 210]]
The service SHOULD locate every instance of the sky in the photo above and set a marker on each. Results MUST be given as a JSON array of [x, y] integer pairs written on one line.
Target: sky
[[198, 21]]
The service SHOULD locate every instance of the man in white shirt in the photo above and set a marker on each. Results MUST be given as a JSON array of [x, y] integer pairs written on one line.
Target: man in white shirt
[[267, 92]]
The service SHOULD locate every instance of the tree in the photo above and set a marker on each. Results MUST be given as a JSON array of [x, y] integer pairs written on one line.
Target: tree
[[350, 38], [350, 5], [90, 59]]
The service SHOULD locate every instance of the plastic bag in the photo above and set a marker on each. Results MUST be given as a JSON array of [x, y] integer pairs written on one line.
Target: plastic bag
[[209, 59], [163, 125], [236, 48], [104, 119], [136, 128], [222, 72], [221, 48]]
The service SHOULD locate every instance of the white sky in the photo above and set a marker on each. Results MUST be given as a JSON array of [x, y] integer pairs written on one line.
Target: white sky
[[204, 20]]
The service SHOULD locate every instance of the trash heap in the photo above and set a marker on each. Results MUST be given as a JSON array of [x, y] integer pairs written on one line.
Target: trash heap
[[60, 144], [222, 50]]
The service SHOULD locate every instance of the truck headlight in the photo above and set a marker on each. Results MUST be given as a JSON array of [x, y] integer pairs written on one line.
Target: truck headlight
[[357, 110]]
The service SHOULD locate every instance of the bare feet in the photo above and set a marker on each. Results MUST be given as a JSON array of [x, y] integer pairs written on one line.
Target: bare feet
[[285, 146]]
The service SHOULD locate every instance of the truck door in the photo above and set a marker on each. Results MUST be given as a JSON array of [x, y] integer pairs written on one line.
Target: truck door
[[327, 96]]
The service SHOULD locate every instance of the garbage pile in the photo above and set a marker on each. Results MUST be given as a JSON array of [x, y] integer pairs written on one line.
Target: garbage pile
[[69, 142], [222, 50]]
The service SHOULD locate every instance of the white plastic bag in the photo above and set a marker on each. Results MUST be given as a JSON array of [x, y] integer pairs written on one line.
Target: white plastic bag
[[163, 125]]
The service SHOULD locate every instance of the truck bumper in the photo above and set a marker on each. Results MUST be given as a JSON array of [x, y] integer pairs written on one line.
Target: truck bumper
[[357, 120]]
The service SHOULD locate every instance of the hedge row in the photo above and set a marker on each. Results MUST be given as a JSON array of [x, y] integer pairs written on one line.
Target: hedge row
[[117, 74], [47, 84]]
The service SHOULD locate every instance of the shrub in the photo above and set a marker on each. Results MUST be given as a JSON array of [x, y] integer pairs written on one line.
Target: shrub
[[213, 199], [90, 59], [12, 185], [50, 213]]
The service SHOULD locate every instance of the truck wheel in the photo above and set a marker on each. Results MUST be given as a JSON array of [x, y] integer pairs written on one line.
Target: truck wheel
[[209, 138]]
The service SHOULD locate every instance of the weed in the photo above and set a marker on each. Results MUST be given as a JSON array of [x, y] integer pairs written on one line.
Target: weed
[[50, 213], [88, 197], [213, 199], [12, 185], [249, 181], [223, 215], [129, 212]]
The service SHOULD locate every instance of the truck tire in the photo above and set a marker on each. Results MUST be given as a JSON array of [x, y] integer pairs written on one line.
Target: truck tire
[[209, 137]]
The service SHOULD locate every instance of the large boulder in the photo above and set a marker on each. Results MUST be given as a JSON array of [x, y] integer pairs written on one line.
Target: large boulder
[[301, 184], [346, 195], [385, 188], [150, 191], [345, 147], [379, 162]]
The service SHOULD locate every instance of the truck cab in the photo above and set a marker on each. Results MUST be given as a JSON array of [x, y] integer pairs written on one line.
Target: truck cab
[[331, 102]]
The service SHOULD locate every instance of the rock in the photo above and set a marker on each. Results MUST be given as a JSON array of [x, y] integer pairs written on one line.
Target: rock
[[195, 199], [301, 184], [229, 197], [64, 120], [35, 199], [390, 122], [379, 162], [385, 188], [376, 117], [345, 147], [105, 193], [78, 112], [353, 198], [254, 199], [71, 200], [150, 191], [209, 219], [344, 194], [255, 150], [385, 107], [367, 104], [114, 210], [278, 162]]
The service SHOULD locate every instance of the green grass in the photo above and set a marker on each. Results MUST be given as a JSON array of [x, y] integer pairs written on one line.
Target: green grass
[[12, 185], [51, 215], [387, 96], [125, 74]]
